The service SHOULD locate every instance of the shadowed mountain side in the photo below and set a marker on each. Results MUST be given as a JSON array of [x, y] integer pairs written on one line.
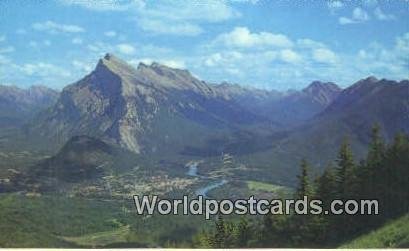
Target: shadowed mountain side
[[356, 110], [82, 159]]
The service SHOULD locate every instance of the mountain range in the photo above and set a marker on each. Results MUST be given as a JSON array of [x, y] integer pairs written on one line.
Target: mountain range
[[155, 110]]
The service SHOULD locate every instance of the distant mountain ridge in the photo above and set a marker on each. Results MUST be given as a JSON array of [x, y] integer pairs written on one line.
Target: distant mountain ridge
[[19, 105]]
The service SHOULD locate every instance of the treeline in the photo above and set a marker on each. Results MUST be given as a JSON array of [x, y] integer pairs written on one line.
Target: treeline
[[383, 175]]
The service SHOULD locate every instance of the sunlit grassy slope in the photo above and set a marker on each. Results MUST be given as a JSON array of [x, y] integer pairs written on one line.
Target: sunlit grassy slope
[[392, 235]]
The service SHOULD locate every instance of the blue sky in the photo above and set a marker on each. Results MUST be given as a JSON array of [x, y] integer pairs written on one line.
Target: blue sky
[[266, 44]]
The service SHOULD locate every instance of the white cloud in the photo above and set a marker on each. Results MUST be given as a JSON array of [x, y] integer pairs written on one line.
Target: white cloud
[[126, 49], [380, 15], [104, 5], [76, 40], [230, 55], [225, 58], [380, 61], [182, 17], [4, 60], [345, 20], [358, 16], [290, 56], [246, 1], [173, 63], [241, 37], [309, 43], [402, 43], [37, 44], [185, 10], [43, 69], [100, 48], [335, 5], [110, 33], [158, 26], [80, 65], [2, 38], [323, 55], [54, 28], [370, 3]]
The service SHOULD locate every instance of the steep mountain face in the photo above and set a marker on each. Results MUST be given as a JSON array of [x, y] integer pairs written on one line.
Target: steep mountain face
[[322, 93], [19, 105], [370, 101], [132, 107], [352, 114]]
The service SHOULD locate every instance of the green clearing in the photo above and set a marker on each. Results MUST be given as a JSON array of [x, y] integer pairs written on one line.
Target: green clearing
[[267, 187], [101, 238]]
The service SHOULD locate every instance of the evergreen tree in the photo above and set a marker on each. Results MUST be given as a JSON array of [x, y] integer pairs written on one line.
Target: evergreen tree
[[395, 178], [384, 173], [277, 231], [326, 187], [242, 233], [304, 186], [304, 224], [346, 190], [265, 233], [326, 191], [368, 178], [345, 172], [376, 147], [219, 238]]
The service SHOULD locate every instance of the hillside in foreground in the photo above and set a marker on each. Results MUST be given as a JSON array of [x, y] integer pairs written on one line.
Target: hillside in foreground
[[394, 234]]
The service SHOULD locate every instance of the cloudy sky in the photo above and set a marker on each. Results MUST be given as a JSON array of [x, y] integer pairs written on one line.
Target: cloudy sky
[[267, 44]]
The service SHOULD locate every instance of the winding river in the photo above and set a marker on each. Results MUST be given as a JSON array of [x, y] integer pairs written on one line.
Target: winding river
[[192, 171]]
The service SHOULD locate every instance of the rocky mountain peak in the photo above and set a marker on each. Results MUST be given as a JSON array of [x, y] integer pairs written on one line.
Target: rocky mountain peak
[[164, 70], [372, 79], [114, 64], [318, 86], [167, 78], [364, 86], [322, 92]]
